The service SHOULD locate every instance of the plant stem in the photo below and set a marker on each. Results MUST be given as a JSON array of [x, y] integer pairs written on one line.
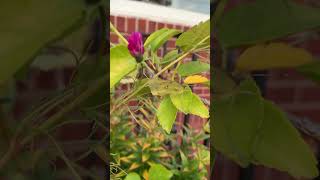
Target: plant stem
[[113, 29], [7, 156], [219, 11]]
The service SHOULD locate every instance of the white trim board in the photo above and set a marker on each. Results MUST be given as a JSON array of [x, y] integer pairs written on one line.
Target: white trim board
[[156, 13]]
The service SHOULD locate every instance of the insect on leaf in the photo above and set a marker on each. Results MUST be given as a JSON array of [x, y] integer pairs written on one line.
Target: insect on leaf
[[161, 87]]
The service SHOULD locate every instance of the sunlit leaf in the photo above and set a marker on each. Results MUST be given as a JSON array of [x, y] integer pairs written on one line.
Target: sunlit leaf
[[157, 171], [121, 64], [166, 114], [189, 103], [132, 176], [194, 36], [274, 55], [158, 38]]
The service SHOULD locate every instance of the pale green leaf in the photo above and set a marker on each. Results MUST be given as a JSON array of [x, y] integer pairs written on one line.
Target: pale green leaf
[[166, 114], [132, 176], [265, 20], [189, 103], [28, 26], [192, 67], [121, 64], [157, 172], [158, 38], [194, 36]]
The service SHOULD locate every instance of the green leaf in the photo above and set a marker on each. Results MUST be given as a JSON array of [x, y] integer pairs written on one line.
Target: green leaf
[[161, 87], [132, 176], [204, 155], [170, 56], [291, 154], [195, 35], [247, 128], [158, 38], [89, 71], [311, 70], [188, 102], [121, 64], [271, 56], [265, 20], [157, 171], [184, 159], [192, 67], [28, 26], [221, 82], [144, 91], [166, 114], [235, 124]]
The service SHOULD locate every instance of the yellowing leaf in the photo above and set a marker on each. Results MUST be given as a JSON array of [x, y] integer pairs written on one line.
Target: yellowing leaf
[[125, 159], [146, 145], [134, 166], [274, 55], [195, 79], [145, 175], [145, 157]]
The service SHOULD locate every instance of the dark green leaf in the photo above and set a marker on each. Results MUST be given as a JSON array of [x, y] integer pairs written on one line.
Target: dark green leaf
[[265, 20], [291, 154], [249, 129], [311, 70], [28, 26], [222, 82]]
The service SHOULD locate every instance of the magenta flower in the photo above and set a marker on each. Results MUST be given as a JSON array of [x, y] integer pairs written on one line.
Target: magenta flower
[[135, 45]]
